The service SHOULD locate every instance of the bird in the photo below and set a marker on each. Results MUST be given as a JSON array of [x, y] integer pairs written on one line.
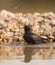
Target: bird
[[32, 38]]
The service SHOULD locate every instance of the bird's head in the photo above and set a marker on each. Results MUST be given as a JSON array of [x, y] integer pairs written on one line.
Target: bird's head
[[27, 28]]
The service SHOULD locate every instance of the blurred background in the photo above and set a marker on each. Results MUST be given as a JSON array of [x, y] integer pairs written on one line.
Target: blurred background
[[28, 5]]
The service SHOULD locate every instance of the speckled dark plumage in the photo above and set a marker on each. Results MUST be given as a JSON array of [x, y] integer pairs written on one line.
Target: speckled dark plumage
[[32, 38]]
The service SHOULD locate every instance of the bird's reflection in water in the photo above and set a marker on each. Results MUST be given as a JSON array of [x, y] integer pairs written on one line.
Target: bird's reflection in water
[[28, 52]]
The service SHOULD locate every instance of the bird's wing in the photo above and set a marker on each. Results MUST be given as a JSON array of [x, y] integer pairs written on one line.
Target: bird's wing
[[37, 38]]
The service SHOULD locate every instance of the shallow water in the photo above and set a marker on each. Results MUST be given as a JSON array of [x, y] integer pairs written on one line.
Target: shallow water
[[33, 62], [28, 5]]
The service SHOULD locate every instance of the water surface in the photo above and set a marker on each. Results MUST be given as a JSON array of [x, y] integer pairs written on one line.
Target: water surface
[[28, 5]]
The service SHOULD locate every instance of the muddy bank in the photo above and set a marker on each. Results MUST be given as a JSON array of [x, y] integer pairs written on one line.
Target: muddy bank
[[12, 26]]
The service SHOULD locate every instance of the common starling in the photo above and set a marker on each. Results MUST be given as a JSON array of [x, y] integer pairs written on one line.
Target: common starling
[[32, 38]]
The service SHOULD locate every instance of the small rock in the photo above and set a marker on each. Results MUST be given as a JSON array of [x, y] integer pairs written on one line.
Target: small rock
[[7, 14], [53, 21]]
